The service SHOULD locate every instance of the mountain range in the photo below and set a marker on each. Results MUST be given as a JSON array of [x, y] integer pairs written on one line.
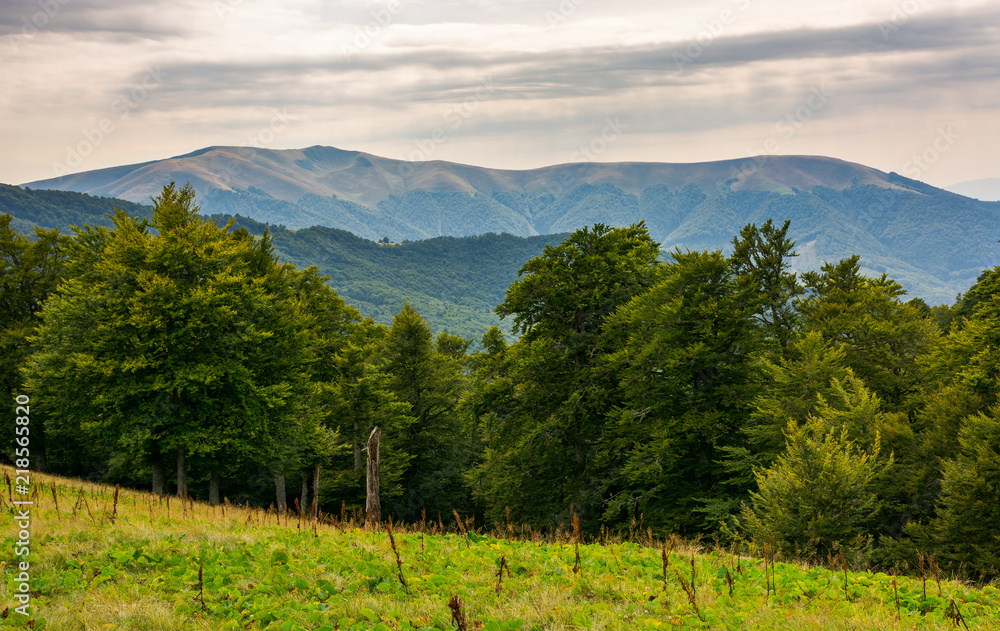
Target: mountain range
[[934, 242]]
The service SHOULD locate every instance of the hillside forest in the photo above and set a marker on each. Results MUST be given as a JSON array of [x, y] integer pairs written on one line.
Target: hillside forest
[[705, 395], [455, 282]]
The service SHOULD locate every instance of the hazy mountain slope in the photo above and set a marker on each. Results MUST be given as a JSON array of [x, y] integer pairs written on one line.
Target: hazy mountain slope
[[368, 179], [455, 282], [933, 241], [987, 190]]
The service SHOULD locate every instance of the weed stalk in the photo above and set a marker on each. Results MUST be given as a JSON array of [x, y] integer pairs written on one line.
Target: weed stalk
[[690, 589], [576, 538], [457, 616], [399, 562], [503, 566]]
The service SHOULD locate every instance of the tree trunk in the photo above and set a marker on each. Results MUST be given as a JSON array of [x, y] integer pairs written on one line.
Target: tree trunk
[[358, 463], [213, 489], [304, 498], [315, 501], [373, 511], [279, 491], [158, 479], [181, 473]]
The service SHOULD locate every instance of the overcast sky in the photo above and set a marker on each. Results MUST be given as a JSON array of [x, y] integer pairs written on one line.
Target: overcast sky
[[911, 86]]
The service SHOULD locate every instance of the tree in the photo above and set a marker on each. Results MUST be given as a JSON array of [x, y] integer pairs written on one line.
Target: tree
[[431, 381], [791, 389], [964, 534], [359, 399], [553, 391], [818, 496], [881, 336], [761, 257], [29, 272], [182, 342], [328, 324], [689, 367]]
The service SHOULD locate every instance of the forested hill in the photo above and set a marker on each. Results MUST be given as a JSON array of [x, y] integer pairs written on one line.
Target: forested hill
[[61, 209], [934, 242], [454, 282]]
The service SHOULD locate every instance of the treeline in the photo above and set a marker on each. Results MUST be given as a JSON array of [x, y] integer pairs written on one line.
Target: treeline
[[705, 395], [453, 281]]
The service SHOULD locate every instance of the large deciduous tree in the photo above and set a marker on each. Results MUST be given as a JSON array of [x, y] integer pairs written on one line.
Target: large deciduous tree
[[174, 337], [430, 378], [881, 336], [688, 373], [551, 396], [762, 259], [29, 271]]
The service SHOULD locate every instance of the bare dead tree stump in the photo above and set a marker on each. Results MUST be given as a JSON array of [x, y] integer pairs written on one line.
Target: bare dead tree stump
[[373, 512]]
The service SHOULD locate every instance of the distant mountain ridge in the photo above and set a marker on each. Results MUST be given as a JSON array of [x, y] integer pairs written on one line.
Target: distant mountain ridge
[[355, 177], [987, 190], [934, 242]]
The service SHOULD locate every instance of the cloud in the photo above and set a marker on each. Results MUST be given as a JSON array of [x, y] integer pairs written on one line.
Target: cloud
[[89, 18], [934, 51]]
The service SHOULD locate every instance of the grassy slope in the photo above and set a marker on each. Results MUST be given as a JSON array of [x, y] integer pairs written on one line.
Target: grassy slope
[[140, 571]]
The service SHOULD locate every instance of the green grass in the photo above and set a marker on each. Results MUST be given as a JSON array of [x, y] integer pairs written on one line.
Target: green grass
[[140, 571]]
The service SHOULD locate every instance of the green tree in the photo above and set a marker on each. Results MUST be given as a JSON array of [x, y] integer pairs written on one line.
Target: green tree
[[360, 399], [689, 368], [29, 272], [881, 336], [964, 533], [328, 324], [762, 257], [791, 388], [553, 392], [959, 376], [182, 342], [819, 495], [431, 382]]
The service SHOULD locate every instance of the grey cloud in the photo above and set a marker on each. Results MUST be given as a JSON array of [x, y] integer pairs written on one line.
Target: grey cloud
[[964, 50], [87, 18]]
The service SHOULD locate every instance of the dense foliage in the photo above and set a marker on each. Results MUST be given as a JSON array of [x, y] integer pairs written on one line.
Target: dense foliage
[[455, 282], [705, 395]]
